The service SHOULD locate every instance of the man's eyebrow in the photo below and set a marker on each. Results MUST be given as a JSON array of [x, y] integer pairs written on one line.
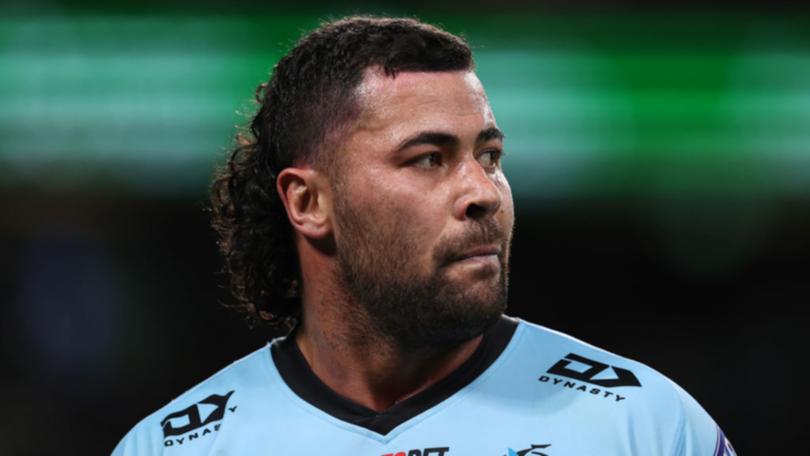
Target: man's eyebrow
[[436, 138], [489, 134], [442, 139]]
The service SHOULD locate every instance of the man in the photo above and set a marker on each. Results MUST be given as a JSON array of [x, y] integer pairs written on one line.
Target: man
[[369, 210]]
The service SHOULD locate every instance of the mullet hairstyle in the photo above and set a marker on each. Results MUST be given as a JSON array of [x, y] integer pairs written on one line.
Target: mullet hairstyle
[[302, 110]]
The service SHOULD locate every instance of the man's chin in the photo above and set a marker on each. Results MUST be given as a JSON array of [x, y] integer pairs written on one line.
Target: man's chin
[[435, 311]]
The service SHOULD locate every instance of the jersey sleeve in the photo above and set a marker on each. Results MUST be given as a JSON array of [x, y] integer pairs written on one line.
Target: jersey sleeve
[[698, 434]]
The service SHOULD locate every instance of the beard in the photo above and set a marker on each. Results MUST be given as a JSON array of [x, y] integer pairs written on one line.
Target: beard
[[396, 299]]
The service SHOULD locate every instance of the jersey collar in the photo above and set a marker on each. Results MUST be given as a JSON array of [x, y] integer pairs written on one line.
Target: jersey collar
[[297, 374]]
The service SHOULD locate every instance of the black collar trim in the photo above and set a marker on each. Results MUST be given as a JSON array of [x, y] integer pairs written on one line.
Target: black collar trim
[[297, 374]]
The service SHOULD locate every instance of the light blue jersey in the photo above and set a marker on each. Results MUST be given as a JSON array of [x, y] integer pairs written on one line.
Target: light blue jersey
[[527, 390]]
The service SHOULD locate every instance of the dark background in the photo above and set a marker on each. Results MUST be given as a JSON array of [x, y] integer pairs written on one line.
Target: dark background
[[690, 256]]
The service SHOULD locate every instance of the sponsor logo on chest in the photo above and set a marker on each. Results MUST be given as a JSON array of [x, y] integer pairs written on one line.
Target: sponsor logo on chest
[[442, 451], [436, 451]]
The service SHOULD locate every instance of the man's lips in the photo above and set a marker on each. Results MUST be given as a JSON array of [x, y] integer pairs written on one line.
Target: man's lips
[[481, 251]]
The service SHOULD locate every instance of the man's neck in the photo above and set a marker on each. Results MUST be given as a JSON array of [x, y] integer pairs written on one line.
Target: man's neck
[[367, 368]]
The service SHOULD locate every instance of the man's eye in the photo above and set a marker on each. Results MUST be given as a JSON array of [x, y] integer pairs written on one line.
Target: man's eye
[[490, 158], [430, 160]]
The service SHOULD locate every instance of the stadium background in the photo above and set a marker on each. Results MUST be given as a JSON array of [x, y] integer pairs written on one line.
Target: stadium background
[[660, 161]]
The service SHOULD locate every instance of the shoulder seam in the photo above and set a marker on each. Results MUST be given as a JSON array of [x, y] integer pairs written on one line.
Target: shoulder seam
[[574, 339]]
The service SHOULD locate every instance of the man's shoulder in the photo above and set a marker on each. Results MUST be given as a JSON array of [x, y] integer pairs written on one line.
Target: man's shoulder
[[570, 357], [202, 409], [600, 380]]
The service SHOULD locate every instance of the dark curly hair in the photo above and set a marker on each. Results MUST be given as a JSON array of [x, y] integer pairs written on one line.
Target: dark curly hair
[[301, 110]]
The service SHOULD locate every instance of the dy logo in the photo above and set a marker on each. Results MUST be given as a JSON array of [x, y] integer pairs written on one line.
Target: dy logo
[[190, 418], [622, 377]]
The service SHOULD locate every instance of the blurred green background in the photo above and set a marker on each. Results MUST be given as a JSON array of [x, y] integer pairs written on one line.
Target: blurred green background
[[627, 103], [660, 160]]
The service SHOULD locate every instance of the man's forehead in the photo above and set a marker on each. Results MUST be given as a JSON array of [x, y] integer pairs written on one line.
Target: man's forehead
[[376, 82], [420, 95]]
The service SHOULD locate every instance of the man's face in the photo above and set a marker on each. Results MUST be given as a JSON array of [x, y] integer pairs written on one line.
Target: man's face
[[423, 211]]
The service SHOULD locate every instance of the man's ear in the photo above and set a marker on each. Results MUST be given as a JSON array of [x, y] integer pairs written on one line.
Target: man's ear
[[306, 196]]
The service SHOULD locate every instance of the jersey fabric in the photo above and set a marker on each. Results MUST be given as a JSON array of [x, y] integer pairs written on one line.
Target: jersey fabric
[[526, 390]]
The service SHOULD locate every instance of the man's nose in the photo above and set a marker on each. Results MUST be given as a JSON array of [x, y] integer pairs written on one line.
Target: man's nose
[[479, 197]]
